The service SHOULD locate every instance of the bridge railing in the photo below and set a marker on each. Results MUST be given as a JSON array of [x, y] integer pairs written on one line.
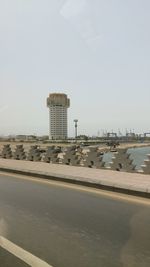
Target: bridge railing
[[92, 157]]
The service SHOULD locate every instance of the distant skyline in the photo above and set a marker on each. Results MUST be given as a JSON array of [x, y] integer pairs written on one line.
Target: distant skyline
[[95, 51]]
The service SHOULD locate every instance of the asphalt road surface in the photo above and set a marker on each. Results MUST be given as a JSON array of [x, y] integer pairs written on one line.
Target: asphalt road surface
[[71, 226]]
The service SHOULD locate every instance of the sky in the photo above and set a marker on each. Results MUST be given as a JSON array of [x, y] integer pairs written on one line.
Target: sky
[[95, 51]]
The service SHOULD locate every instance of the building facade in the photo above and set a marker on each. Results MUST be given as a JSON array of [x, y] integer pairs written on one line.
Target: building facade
[[58, 119]]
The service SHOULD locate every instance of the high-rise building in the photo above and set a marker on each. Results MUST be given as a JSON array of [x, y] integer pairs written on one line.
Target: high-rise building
[[58, 105]]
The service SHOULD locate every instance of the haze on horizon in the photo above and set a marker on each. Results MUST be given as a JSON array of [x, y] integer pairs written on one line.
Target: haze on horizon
[[95, 51]]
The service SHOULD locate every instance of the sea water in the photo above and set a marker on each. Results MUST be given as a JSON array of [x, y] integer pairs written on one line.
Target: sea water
[[138, 154]]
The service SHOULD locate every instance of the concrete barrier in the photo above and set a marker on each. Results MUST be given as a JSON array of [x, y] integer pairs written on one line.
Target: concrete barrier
[[75, 156], [34, 154], [72, 156], [6, 152], [146, 166], [19, 153], [51, 155], [94, 159], [121, 161]]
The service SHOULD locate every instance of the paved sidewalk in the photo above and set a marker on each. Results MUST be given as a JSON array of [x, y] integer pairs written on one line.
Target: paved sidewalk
[[129, 183]]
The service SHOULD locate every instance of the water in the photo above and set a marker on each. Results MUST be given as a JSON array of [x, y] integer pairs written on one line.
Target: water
[[138, 154]]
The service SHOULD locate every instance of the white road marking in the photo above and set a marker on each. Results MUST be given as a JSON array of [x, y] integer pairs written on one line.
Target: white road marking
[[22, 254]]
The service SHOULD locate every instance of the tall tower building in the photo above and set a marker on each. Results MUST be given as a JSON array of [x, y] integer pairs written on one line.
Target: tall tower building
[[58, 105]]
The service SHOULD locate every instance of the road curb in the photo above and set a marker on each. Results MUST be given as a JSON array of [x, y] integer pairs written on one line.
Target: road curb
[[77, 181]]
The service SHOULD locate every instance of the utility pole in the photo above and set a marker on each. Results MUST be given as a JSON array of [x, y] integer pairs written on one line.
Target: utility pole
[[76, 128]]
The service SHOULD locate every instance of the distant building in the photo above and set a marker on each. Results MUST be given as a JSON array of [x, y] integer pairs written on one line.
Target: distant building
[[58, 105]]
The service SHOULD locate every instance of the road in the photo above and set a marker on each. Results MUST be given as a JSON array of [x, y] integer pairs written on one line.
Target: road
[[72, 226]]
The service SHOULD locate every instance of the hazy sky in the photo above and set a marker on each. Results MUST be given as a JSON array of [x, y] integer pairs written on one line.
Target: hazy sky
[[95, 51]]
